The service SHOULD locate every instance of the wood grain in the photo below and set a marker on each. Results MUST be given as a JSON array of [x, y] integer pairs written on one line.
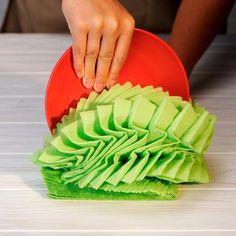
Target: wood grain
[[44, 62], [23, 85], [21, 173], [27, 137], [202, 84], [210, 209], [118, 232], [31, 108], [194, 210]]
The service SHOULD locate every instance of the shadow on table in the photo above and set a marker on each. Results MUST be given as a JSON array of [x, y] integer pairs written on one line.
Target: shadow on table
[[24, 175], [216, 69]]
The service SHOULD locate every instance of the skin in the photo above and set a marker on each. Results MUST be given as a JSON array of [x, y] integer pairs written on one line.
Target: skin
[[102, 30], [196, 24], [101, 34]]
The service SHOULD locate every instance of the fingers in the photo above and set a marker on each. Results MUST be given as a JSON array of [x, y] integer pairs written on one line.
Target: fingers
[[121, 51], [99, 56], [104, 61], [95, 27], [79, 41], [93, 45]]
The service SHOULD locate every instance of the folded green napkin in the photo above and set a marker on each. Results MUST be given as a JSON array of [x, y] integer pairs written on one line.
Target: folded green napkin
[[126, 143]]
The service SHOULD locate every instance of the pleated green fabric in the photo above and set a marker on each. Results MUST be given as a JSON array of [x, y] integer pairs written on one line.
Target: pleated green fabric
[[126, 143]]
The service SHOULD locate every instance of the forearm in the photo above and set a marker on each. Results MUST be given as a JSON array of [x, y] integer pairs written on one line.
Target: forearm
[[196, 24]]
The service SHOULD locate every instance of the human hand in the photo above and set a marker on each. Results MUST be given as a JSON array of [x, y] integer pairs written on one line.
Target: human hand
[[101, 34]]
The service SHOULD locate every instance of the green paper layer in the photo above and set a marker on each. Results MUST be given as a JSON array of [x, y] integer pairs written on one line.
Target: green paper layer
[[124, 137], [150, 189]]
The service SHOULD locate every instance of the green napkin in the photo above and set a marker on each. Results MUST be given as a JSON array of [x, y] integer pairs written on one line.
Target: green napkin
[[126, 143]]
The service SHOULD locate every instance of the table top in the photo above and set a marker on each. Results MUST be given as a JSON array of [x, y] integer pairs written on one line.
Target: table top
[[25, 64]]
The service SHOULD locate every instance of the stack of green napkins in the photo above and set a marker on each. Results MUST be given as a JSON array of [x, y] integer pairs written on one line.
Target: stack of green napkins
[[126, 143]]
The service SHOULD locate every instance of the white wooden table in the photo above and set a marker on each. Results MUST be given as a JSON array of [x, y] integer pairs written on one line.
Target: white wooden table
[[210, 209]]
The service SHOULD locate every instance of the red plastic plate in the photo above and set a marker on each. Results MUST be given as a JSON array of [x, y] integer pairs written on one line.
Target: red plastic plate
[[150, 62]]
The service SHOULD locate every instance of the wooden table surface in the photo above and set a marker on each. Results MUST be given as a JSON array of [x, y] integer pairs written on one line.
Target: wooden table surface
[[209, 209]]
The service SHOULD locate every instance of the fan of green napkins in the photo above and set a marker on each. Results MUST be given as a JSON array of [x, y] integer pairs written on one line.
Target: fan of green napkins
[[126, 143]]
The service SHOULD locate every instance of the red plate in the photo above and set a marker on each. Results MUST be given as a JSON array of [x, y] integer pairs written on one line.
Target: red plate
[[150, 62]]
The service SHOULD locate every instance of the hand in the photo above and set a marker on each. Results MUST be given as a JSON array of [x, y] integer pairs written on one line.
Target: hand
[[101, 34]]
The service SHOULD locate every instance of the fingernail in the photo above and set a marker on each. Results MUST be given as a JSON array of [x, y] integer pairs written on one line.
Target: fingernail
[[88, 83], [111, 83], [79, 74], [99, 87]]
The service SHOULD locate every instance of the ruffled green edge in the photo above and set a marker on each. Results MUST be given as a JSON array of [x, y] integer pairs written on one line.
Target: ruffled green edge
[[58, 190]]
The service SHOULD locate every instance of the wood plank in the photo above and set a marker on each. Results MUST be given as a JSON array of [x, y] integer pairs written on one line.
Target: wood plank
[[31, 109], [22, 109], [34, 42], [213, 84], [21, 173], [205, 210], [23, 85], [223, 108], [217, 62], [201, 209], [202, 84], [29, 137], [22, 137], [58, 42], [119, 232], [44, 62], [39, 53], [36, 62]]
